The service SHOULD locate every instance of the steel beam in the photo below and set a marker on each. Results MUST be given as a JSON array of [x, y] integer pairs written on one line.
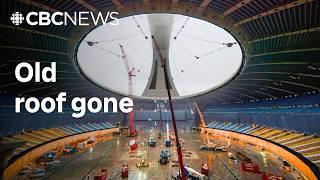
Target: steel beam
[[204, 4], [309, 30], [236, 7], [32, 31], [117, 4], [286, 51], [33, 49], [83, 3], [274, 10]]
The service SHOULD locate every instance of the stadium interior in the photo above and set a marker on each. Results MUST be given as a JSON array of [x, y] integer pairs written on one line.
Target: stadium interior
[[260, 119]]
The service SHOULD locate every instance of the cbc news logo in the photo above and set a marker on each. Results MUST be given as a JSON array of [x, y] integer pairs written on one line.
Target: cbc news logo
[[16, 18], [81, 18]]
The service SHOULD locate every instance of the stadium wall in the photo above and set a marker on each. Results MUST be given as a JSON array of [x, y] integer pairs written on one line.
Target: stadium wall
[[151, 119]]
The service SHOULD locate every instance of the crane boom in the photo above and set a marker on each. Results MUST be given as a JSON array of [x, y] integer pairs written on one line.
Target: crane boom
[[202, 121], [203, 134], [130, 72], [166, 78]]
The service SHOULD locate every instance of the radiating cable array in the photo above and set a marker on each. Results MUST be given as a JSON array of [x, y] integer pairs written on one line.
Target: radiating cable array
[[176, 39], [138, 25], [198, 57]]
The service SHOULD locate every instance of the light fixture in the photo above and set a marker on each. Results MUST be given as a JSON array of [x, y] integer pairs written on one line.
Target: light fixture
[[229, 44], [91, 43], [313, 67], [294, 77], [277, 83]]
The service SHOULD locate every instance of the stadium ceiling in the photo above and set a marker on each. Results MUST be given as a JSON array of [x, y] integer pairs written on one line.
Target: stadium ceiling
[[281, 40]]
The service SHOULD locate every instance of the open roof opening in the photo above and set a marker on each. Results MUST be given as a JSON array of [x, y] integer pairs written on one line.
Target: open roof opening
[[201, 55]]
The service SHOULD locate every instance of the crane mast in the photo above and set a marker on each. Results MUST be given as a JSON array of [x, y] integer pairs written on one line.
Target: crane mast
[[130, 72]]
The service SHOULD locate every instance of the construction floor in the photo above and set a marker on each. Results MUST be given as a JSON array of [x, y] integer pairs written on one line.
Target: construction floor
[[113, 153]]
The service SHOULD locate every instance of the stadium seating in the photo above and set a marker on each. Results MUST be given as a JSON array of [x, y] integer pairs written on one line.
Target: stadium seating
[[288, 137], [271, 133], [279, 135], [306, 145], [297, 140], [41, 136]]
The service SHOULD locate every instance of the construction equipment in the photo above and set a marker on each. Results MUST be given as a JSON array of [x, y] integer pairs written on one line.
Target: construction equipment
[[133, 145], [37, 173], [52, 164], [250, 167], [125, 171], [69, 149], [124, 131], [205, 169], [191, 174], [47, 157], [143, 163], [130, 71], [207, 144], [160, 124], [203, 125], [166, 76], [152, 142], [203, 132], [268, 176], [164, 157], [221, 148], [208, 147], [167, 141], [102, 175]]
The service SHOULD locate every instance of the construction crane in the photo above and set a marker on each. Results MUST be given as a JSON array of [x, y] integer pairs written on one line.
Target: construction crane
[[202, 122], [130, 71], [203, 132], [166, 78]]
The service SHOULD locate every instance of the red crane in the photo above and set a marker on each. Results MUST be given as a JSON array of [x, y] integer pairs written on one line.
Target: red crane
[[166, 78], [130, 71]]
